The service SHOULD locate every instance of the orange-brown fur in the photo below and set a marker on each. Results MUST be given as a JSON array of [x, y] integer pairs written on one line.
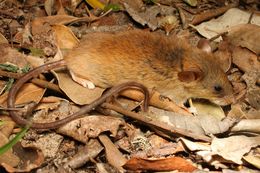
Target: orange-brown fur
[[152, 59]]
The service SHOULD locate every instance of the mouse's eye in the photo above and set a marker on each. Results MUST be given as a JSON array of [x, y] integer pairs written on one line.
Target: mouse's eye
[[218, 88]]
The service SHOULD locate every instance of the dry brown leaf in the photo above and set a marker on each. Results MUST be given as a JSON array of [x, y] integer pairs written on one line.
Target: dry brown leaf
[[113, 155], [253, 91], [11, 55], [167, 164], [3, 99], [161, 147], [236, 111], [64, 37], [245, 59], [245, 35], [31, 158], [239, 89], [203, 124], [224, 56], [47, 143], [247, 125], [139, 145], [248, 122], [232, 17], [8, 157], [28, 93], [52, 99], [90, 127], [63, 110], [77, 93], [49, 103], [37, 24], [230, 149], [48, 5], [3, 39], [253, 97], [253, 114], [233, 148], [149, 17], [74, 4], [194, 146], [8, 125], [24, 37], [90, 150], [253, 158]]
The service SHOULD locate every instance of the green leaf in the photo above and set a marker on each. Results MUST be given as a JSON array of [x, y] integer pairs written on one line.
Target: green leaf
[[26, 69], [113, 7], [9, 67], [1, 123], [9, 84], [36, 51], [12, 142]]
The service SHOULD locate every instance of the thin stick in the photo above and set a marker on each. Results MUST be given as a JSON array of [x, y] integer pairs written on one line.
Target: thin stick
[[36, 81], [160, 125], [211, 14]]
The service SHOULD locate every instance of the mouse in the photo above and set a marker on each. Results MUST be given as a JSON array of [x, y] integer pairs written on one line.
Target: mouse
[[163, 63], [143, 59]]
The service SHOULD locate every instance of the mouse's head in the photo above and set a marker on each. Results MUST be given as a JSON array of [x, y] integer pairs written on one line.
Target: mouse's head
[[203, 77]]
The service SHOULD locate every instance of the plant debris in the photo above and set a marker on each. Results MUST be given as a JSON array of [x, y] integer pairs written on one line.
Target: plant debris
[[121, 135]]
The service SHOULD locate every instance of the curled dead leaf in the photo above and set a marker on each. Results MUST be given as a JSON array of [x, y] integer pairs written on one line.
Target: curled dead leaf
[[167, 164], [31, 158], [47, 143], [113, 155], [90, 127], [64, 37]]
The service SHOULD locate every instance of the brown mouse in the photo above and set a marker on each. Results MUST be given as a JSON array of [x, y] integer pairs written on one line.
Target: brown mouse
[[166, 64]]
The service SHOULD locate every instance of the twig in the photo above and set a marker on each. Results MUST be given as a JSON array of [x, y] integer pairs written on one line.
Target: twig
[[46, 84], [36, 81], [160, 125], [250, 17], [156, 100], [10, 74], [211, 14], [182, 16]]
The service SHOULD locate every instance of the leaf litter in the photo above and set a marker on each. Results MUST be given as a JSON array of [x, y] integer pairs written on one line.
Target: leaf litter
[[127, 142]]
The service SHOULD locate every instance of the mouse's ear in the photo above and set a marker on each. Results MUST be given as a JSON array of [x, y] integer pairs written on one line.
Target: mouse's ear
[[190, 75]]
